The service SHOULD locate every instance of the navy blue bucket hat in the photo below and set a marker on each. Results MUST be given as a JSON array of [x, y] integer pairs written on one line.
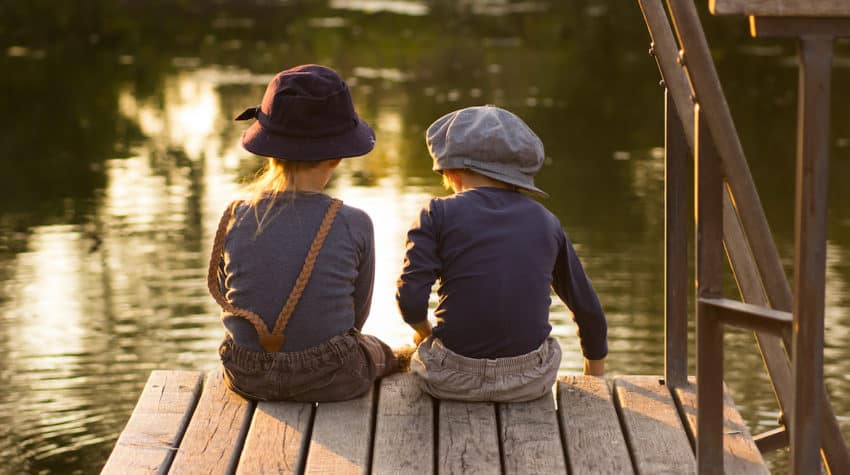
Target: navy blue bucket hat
[[307, 115]]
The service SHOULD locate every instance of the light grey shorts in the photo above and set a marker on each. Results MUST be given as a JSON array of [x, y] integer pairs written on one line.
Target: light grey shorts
[[445, 374]]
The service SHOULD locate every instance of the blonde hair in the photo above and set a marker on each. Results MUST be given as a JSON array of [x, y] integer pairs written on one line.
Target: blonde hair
[[277, 177], [449, 175]]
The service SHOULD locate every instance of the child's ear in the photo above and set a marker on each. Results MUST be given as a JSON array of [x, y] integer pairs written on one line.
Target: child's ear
[[334, 163]]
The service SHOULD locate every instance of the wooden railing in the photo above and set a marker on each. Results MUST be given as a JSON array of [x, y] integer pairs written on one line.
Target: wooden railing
[[730, 217]]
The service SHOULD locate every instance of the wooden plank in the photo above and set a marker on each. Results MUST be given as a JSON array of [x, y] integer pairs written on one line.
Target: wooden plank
[[156, 426], [740, 453], [277, 439], [404, 428], [215, 436], [531, 441], [590, 428], [651, 424], [468, 438], [341, 438], [787, 8]]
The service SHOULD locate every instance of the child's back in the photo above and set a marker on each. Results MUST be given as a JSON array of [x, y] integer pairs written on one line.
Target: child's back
[[260, 270], [497, 254]]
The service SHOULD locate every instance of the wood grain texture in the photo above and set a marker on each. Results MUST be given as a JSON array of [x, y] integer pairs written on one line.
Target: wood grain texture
[[277, 439], [656, 437], [740, 454], [149, 440], [404, 428], [786, 8], [341, 438], [469, 438], [215, 435], [591, 430], [531, 441]]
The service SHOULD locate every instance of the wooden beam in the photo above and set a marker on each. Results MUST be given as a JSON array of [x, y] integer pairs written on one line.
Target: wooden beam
[[813, 144], [706, 84], [767, 27], [783, 8], [277, 439], [747, 316], [665, 50], [708, 188], [531, 442], [740, 453], [651, 424], [751, 213], [771, 440], [214, 438], [148, 442], [341, 437], [468, 438], [404, 428], [676, 152], [591, 431]]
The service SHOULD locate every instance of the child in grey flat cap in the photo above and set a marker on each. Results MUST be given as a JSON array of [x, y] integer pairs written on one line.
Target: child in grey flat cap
[[496, 253]]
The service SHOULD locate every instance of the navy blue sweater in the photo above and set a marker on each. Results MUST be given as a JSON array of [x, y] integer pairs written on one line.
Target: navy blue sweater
[[497, 253]]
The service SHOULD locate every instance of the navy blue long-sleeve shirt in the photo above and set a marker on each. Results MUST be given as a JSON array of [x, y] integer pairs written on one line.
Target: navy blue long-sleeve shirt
[[496, 253]]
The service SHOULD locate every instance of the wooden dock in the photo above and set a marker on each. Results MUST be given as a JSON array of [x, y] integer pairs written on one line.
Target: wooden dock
[[184, 423]]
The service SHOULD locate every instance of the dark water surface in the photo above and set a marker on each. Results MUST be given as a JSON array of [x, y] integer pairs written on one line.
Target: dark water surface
[[118, 154]]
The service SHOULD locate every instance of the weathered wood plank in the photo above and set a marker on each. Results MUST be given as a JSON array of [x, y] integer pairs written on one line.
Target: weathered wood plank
[[531, 441], [215, 435], [656, 437], [591, 430], [150, 438], [342, 433], [740, 454], [468, 438], [277, 439], [787, 8], [404, 428]]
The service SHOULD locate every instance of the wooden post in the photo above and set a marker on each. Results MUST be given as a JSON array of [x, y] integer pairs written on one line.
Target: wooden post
[[676, 151], [708, 200], [813, 123]]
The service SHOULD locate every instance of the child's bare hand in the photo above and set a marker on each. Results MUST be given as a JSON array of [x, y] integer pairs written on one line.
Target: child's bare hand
[[594, 367]]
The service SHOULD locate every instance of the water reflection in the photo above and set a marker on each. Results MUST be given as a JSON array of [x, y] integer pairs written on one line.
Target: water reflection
[[119, 169]]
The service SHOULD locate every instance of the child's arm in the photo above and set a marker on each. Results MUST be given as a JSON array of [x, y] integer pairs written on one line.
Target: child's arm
[[420, 271], [365, 280], [574, 288]]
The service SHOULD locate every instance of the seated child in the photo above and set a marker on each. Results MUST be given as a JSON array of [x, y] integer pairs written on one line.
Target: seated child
[[291, 267], [496, 253]]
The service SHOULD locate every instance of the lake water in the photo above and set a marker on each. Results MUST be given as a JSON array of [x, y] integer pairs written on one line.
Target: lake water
[[119, 152]]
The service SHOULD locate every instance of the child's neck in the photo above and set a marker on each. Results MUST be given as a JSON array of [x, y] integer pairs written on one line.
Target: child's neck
[[312, 180], [474, 180]]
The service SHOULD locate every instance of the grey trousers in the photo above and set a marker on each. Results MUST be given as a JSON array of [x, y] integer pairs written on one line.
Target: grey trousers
[[445, 374]]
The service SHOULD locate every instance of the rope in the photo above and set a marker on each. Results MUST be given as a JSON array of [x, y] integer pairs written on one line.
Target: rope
[[271, 342]]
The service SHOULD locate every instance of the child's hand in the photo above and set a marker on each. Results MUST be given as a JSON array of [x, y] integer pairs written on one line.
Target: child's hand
[[423, 330], [594, 367]]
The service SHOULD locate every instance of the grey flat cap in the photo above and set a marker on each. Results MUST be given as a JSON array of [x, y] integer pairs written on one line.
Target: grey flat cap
[[490, 141]]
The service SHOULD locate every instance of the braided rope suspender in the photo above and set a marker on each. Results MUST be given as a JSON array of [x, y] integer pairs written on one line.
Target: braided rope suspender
[[270, 341]]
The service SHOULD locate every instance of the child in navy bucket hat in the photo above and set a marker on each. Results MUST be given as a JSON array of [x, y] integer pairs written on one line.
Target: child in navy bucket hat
[[496, 253], [291, 267]]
